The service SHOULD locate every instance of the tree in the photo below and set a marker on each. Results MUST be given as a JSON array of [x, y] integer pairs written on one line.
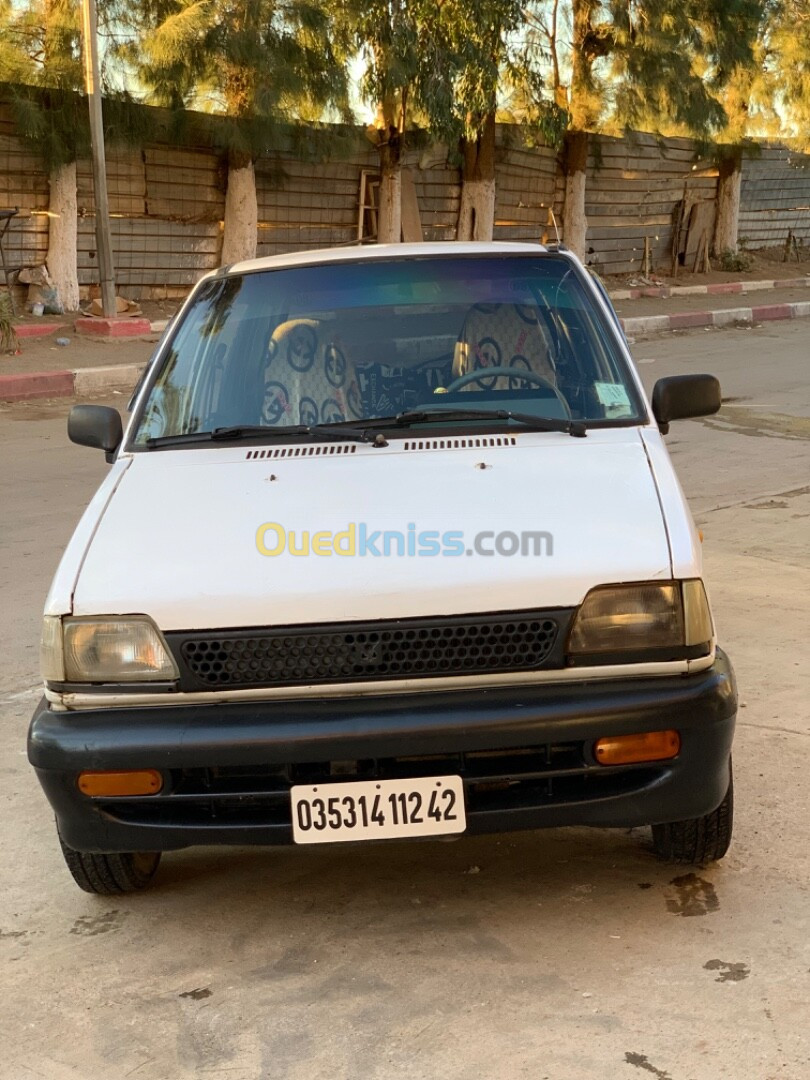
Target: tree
[[475, 36], [636, 65], [439, 63], [41, 49], [386, 34], [253, 61], [786, 63]]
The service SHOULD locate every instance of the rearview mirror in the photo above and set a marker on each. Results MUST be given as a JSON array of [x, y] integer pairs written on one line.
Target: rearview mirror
[[96, 425], [680, 397]]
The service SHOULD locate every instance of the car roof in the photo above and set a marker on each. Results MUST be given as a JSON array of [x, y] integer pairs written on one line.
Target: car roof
[[366, 252]]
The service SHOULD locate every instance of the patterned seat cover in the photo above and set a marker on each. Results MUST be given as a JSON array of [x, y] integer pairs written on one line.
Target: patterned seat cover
[[503, 335], [308, 378]]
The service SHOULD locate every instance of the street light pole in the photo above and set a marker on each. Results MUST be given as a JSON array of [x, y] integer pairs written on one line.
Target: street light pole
[[91, 82]]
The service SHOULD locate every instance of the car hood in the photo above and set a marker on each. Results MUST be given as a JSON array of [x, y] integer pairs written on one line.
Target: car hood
[[177, 539]]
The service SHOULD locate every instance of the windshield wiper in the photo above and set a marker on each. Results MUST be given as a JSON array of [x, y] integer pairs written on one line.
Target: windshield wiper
[[317, 431], [251, 431], [361, 430], [426, 416], [528, 420]]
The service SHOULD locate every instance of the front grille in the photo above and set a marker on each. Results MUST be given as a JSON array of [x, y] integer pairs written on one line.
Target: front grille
[[357, 652]]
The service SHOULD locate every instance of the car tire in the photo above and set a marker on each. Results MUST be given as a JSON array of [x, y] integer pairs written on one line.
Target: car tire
[[698, 840], [108, 875]]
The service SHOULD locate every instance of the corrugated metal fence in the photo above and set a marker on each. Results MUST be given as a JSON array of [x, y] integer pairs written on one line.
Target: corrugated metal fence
[[775, 198], [167, 202]]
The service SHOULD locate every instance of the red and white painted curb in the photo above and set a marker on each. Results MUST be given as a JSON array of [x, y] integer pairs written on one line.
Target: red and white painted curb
[[80, 383], [727, 288], [689, 320], [98, 380]]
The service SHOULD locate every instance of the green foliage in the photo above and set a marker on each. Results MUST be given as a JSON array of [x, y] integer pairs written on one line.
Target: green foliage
[[735, 260], [650, 64], [675, 65], [386, 35], [257, 62], [475, 37], [785, 49], [710, 68], [41, 60]]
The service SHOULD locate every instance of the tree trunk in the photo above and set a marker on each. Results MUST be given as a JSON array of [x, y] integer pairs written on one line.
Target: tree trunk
[[575, 223], [728, 203], [62, 235], [476, 213], [241, 213], [389, 214]]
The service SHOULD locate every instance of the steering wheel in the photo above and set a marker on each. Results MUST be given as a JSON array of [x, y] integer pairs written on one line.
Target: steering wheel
[[511, 373]]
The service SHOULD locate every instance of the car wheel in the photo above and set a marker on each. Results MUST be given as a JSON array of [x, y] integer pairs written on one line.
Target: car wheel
[[118, 872], [698, 840]]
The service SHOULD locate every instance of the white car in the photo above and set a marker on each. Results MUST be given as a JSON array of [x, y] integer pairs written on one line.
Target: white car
[[391, 547]]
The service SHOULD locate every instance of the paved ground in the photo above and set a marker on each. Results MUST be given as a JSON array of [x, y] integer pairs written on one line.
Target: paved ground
[[565, 955]]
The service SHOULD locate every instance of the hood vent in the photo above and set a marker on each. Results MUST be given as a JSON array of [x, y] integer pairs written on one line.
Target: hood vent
[[461, 443], [325, 450], [468, 442]]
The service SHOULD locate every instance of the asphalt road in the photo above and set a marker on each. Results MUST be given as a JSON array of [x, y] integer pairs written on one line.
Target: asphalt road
[[566, 955]]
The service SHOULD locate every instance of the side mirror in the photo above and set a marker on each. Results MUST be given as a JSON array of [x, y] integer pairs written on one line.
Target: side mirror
[[680, 397], [96, 425]]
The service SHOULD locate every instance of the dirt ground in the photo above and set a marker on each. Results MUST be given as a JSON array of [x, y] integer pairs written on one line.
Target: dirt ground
[[43, 354], [766, 264]]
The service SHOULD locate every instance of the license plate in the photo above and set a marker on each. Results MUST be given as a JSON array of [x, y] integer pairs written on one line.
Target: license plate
[[378, 809]]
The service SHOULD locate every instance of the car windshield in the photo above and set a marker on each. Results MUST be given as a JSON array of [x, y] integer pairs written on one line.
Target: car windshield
[[293, 348]]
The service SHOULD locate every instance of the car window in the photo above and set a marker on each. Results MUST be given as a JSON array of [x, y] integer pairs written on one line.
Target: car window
[[336, 342]]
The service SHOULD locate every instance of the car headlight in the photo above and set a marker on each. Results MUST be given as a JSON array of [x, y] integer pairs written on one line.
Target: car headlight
[[105, 650], [645, 621]]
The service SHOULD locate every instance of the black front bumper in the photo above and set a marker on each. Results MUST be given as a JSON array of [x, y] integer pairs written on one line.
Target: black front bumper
[[525, 754]]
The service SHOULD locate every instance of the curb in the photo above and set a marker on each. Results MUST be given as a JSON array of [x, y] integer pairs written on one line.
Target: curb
[[57, 384], [107, 328], [39, 385], [28, 330], [112, 328], [665, 292], [687, 320], [85, 381]]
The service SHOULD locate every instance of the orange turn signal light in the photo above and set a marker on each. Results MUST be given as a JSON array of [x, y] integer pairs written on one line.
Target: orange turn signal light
[[129, 782], [627, 749]]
